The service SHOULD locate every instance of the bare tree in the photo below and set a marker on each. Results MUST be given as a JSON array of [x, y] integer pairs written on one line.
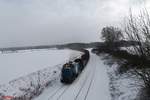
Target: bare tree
[[111, 34], [137, 28]]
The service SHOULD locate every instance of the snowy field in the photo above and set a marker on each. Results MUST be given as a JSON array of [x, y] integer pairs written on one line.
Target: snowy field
[[14, 65]]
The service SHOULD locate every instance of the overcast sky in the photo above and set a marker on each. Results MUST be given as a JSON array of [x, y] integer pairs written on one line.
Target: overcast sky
[[41, 22]]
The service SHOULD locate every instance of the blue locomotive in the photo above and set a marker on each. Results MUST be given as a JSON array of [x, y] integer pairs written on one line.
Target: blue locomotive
[[72, 69]]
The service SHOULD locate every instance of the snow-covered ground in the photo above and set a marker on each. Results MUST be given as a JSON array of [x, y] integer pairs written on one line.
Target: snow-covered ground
[[123, 86], [14, 65], [29, 86], [92, 84]]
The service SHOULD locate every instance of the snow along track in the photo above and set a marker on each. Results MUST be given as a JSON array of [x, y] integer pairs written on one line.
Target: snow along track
[[92, 84]]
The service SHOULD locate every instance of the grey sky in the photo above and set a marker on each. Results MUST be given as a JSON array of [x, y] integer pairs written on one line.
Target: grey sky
[[39, 22]]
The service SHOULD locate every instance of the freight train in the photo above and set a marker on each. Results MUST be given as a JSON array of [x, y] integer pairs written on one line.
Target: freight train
[[72, 69]]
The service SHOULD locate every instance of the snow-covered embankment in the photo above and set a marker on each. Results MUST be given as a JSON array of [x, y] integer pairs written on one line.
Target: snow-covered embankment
[[21, 64]]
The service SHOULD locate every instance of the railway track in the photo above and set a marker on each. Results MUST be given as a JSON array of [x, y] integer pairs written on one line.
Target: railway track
[[91, 81], [85, 80], [63, 89], [85, 86]]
